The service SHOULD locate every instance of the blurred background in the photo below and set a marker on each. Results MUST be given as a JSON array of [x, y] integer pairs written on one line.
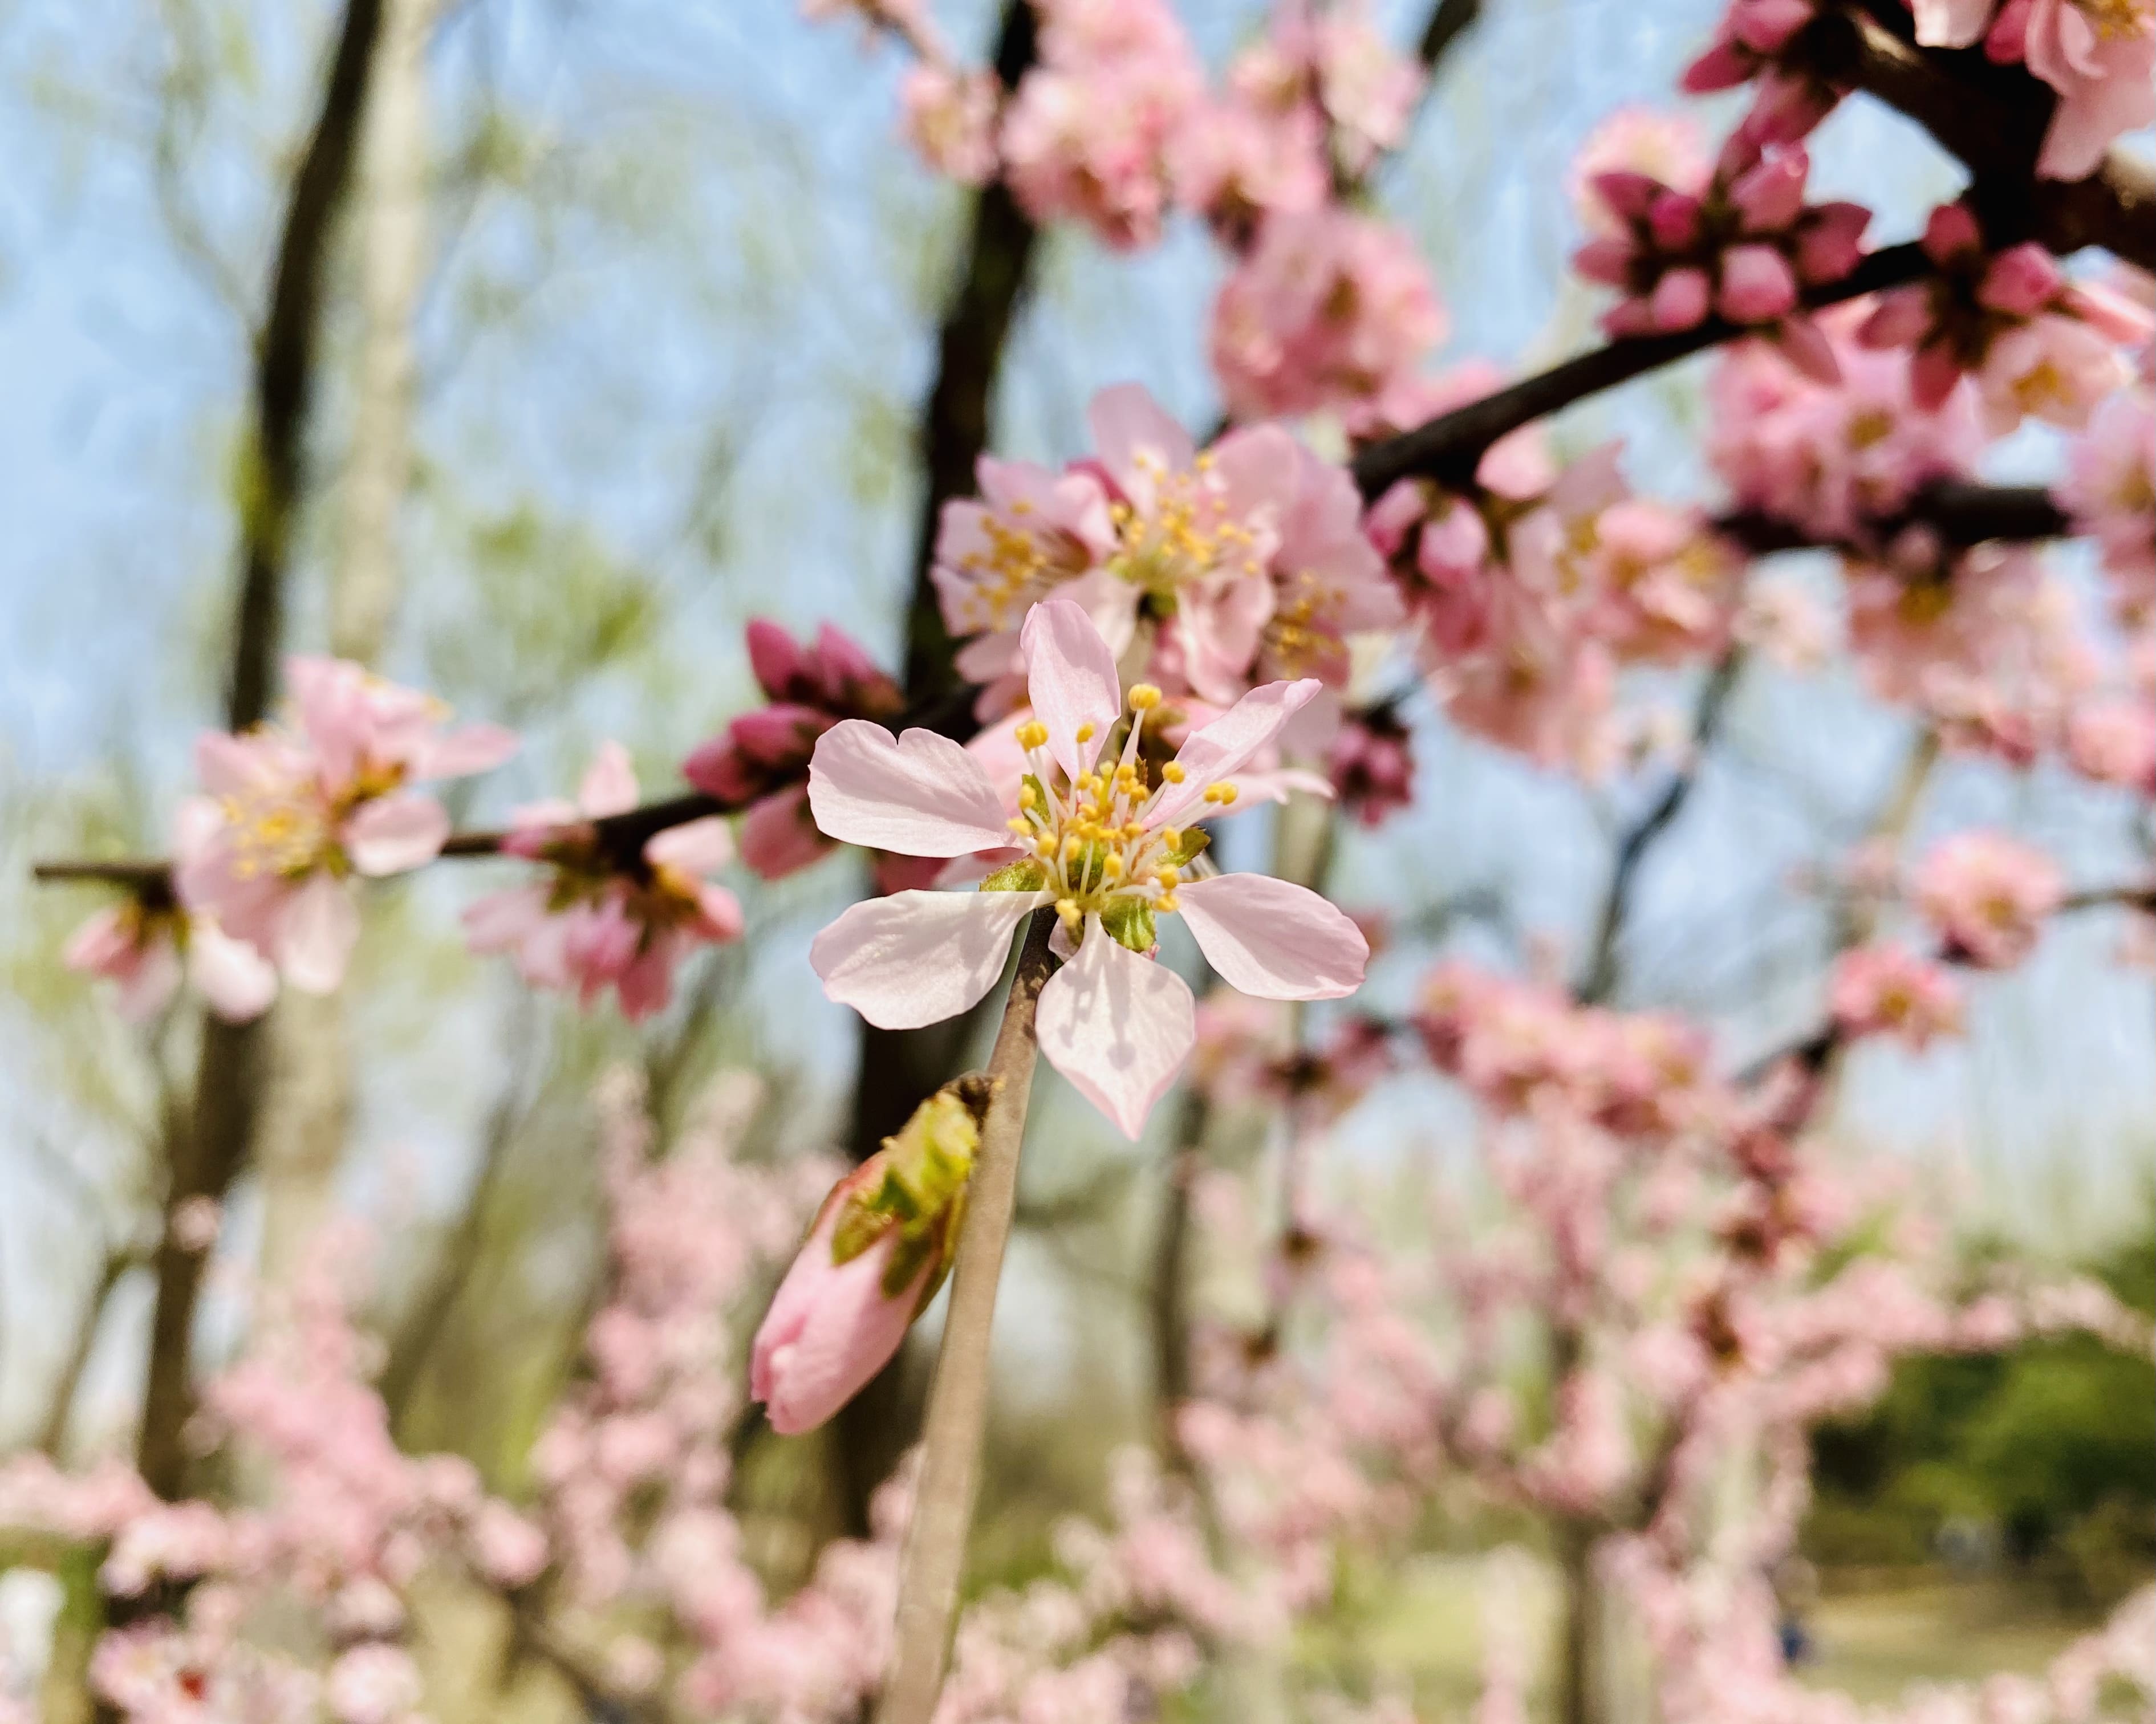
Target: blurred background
[[674, 318]]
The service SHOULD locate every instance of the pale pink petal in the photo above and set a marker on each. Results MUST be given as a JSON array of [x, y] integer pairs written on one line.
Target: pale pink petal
[[1132, 431], [646, 983], [831, 1328], [1215, 751], [195, 823], [778, 837], [233, 978], [147, 987], [719, 913], [608, 786], [1112, 603], [1070, 676], [393, 834], [1273, 939], [504, 920], [1950, 23], [105, 945], [316, 934], [1221, 622], [695, 848], [475, 748], [1118, 1026], [920, 794], [918, 958]]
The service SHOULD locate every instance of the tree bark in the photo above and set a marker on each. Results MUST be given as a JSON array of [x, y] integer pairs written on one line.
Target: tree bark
[[229, 1069], [308, 1110]]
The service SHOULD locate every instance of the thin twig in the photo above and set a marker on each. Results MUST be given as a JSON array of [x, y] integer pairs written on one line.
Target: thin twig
[[953, 1434]]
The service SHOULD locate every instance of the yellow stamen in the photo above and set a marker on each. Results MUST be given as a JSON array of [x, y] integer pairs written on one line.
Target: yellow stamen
[[1223, 792], [1033, 734], [1144, 697], [1174, 772], [1084, 733]]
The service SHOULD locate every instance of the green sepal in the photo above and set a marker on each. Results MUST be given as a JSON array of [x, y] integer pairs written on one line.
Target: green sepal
[[1194, 841], [1129, 922], [916, 1185], [1029, 875]]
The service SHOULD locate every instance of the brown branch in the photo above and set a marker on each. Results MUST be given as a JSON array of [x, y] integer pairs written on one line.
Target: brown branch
[[229, 1069], [953, 1431], [1448, 20], [1992, 120], [1448, 447], [1960, 512]]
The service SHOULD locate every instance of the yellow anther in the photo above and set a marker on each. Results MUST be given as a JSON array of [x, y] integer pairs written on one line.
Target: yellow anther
[[1144, 697], [1172, 836], [1223, 792], [1112, 864], [1166, 903], [1044, 845], [1067, 909], [1020, 825], [1132, 832], [1174, 772], [1072, 846], [1028, 797], [1084, 733], [1033, 734], [1168, 878]]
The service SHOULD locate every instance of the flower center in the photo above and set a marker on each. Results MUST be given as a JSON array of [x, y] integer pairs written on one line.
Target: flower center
[[1020, 564], [1095, 845], [280, 832], [1187, 534]]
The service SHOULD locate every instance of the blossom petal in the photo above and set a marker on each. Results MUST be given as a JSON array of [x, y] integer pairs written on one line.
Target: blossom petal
[[608, 786], [475, 748], [316, 934], [1273, 939], [918, 958], [1070, 677], [1213, 752], [1118, 1026], [230, 974], [1132, 432], [394, 833], [696, 847], [920, 794]]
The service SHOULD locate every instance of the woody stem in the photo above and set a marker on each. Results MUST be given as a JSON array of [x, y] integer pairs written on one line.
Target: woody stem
[[956, 1422]]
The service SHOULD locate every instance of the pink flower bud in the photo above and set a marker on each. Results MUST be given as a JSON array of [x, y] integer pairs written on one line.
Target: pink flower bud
[[1766, 26], [2020, 281], [1608, 261], [876, 1253], [1724, 66], [1674, 220], [1932, 374], [1898, 320], [1680, 301], [831, 1326], [773, 657], [1830, 241], [1629, 195], [1805, 345], [1951, 232], [1770, 196], [2109, 312], [1758, 284]]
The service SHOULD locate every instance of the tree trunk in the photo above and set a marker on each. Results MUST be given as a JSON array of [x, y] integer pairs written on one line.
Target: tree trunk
[[307, 1113]]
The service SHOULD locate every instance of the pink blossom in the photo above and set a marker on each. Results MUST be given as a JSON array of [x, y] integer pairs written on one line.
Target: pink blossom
[[2100, 55], [1952, 24], [602, 919], [949, 115], [760, 761], [1886, 989], [2110, 491], [1368, 90], [2113, 741], [146, 950], [374, 1683], [292, 812], [1118, 1025], [1372, 765], [1236, 161], [1988, 895], [2052, 368], [874, 1258], [1645, 143], [1324, 313], [1087, 135]]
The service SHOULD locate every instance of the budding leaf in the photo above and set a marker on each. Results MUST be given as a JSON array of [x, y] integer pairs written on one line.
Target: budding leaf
[[1194, 840]]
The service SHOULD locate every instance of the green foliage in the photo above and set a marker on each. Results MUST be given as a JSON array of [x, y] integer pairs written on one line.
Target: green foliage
[[2051, 1447]]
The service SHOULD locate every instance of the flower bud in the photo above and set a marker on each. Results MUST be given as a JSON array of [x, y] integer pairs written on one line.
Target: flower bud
[[877, 1252]]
